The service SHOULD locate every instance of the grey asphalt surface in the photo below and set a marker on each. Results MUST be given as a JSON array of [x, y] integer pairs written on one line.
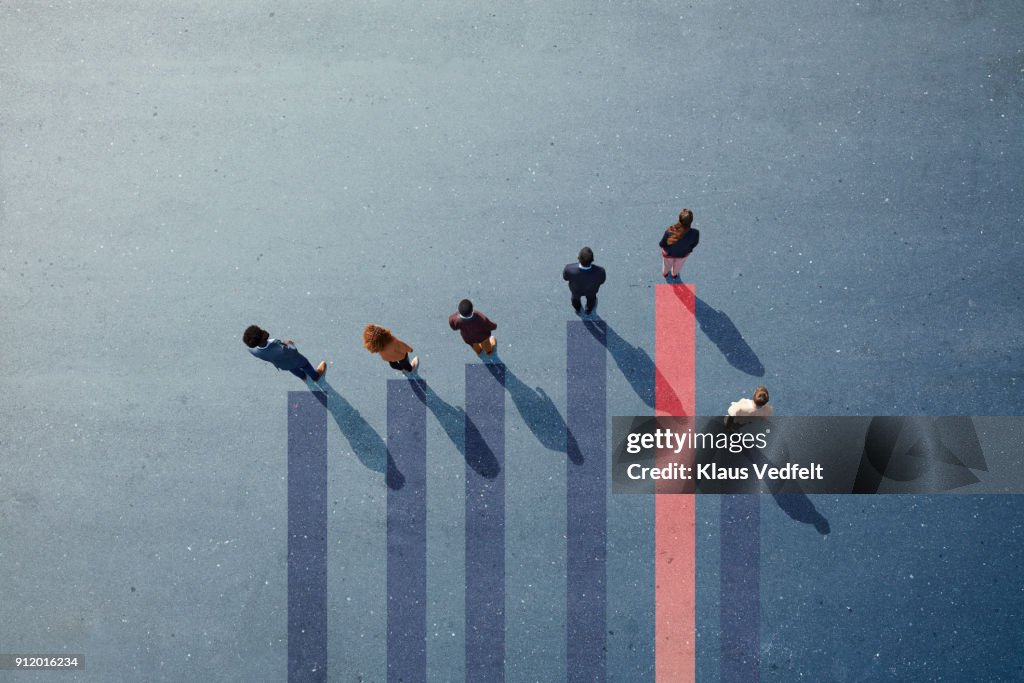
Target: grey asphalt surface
[[171, 174]]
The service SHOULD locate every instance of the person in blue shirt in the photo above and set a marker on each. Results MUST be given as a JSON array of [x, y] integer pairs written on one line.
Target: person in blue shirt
[[677, 244], [281, 354], [584, 280]]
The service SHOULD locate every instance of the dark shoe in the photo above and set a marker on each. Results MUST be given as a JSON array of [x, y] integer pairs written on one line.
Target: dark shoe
[[590, 311]]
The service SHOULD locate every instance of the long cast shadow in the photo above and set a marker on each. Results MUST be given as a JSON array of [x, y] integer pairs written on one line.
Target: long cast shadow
[[458, 427], [722, 332], [635, 364], [799, 507], [367, 445], [637, 367], [788, 495], [538, 412]]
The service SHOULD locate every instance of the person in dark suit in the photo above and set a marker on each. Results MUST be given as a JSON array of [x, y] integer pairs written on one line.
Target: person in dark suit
[[677, 244], [475, 328], [281, 354], [584, 280]]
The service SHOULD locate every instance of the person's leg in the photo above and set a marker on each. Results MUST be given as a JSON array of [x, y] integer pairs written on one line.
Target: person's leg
[[591, 303], [576, 302], [677, 265], [477, 348], [404, 365], [395, 364], [488, 345], [666, 265], [306, 368]]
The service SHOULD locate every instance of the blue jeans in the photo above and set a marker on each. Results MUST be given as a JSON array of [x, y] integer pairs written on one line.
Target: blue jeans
[[305, 369]]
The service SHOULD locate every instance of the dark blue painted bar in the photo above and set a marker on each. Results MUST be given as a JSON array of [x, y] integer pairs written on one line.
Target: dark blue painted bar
[[307, 536], [740, 598], [407, 533], [485, 523], [586, 500]]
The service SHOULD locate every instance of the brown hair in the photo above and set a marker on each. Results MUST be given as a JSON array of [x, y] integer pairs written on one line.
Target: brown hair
[[682, 227], [760, 396], [376, 338]]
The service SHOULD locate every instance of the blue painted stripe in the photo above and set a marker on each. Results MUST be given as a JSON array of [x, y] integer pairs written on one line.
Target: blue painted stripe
[[307, 536], [485, 523], [586, 500], [740, 598], [407, 533]]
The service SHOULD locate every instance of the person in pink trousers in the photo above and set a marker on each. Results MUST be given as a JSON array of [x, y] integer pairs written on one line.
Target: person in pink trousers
[[677, 244]]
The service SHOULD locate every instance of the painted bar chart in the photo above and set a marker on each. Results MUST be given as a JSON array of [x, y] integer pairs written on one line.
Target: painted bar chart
[[586, 531]]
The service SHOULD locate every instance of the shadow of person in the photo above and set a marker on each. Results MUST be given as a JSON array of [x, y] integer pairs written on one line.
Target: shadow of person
[[365, 442], [460, 428], [799, 507], [788, 495], [640, 371], [538, 412], [720, 329]]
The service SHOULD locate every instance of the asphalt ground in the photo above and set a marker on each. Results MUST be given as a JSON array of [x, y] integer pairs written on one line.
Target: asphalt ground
[[170, 175]]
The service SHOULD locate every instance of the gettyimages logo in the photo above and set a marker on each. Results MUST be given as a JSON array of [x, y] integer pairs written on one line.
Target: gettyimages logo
[[799, 454]]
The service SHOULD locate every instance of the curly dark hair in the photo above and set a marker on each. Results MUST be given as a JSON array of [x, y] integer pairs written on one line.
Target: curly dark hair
[[376, 338], [255, 336]]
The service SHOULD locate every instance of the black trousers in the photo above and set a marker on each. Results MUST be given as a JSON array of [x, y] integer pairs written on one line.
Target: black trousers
[[403, 364], [591, 301]]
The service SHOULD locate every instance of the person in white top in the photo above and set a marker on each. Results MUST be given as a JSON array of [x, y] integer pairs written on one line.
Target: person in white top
[[747, 408]]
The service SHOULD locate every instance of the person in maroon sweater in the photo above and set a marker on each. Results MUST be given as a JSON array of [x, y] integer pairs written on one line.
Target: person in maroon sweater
[[475, 327]]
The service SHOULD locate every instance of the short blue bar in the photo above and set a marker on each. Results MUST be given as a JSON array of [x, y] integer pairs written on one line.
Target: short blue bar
[[586, 500], [407, 533], [485, 523], [740, 598], [307, 537]]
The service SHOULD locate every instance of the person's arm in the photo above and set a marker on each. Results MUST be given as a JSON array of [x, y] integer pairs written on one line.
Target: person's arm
[[491, 325], [664, 241], [288, 342], [565, 273], [405, 348], [696, 241], [604, 276], [453, 321]]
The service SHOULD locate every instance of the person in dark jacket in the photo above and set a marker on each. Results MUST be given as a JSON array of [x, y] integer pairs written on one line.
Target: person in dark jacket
[[475, 327], [281, 354], [584, 280], [677, 244]]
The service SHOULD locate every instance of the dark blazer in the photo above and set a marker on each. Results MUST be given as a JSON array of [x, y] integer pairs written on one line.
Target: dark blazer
[[683, 246], [282, 356], [583, 282], [475, 330]]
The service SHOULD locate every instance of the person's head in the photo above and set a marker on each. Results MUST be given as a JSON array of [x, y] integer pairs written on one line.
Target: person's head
[[685, 219], [255, 336], [465, 308], [586, 256], [376, 338], [760, 396]]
